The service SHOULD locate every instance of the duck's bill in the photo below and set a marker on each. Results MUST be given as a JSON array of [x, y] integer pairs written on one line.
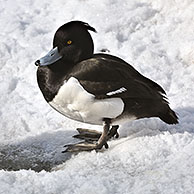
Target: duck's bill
[[51, 57]]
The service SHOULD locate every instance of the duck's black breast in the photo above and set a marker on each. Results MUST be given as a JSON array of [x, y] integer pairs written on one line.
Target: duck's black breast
[[49, 82]]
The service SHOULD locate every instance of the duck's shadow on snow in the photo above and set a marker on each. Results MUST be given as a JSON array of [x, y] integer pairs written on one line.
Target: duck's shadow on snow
[[44, 151]]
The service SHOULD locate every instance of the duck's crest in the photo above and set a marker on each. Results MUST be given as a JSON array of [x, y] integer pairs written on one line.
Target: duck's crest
[[84, 24], [88, 26]]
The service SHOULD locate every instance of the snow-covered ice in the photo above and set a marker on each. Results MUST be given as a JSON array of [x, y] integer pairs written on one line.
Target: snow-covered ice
[[157, 38]]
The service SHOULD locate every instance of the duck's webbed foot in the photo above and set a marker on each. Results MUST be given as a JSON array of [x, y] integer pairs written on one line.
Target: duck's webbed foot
[[94, 140], [88, 135], [92, 135]]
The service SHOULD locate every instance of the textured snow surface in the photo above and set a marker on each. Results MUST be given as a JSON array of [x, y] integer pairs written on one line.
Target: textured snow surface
[[157, 38]]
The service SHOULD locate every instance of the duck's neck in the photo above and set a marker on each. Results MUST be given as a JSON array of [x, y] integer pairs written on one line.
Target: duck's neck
[[61, 67], [51, 78]]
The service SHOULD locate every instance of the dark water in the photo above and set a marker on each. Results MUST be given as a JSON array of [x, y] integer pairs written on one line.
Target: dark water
[[38, 153]]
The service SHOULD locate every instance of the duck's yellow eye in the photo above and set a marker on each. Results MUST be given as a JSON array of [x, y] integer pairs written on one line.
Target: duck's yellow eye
[[69, 42]]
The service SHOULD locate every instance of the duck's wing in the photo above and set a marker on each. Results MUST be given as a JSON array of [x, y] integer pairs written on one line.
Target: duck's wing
[[107, 76], [132, 71]]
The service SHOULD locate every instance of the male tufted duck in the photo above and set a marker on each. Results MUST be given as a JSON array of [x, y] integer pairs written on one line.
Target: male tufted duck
[[96, 88]]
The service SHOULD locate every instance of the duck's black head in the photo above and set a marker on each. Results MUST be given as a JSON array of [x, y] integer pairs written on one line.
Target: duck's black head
[[72, 43]]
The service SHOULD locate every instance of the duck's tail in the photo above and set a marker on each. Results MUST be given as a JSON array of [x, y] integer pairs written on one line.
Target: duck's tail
[[169, 116]]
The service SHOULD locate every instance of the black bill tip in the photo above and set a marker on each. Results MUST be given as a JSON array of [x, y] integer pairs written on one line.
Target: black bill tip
[[37, 63]]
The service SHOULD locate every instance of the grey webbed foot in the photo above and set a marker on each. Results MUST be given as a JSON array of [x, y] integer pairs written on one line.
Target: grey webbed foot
[[94, 140], [83, 146], [92, 135], [88, 135]]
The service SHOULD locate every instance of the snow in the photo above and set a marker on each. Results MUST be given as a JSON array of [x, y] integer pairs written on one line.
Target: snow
[[156, 37]]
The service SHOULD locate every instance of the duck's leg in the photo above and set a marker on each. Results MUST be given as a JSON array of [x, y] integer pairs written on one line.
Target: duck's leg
[[93, 135], [85, 146]]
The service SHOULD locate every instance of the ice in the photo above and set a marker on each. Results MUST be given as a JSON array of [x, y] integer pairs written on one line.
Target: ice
[[156, 37]]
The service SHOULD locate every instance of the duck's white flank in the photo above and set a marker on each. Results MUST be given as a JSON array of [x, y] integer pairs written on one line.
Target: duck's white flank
[[75, 102]]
